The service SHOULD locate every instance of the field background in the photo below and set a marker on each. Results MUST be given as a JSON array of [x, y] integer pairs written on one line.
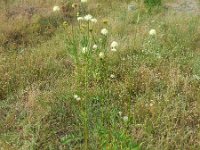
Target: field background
[[146, 95]]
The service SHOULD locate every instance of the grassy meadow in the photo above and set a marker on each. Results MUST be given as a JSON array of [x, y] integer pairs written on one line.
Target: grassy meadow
[[98, 75]]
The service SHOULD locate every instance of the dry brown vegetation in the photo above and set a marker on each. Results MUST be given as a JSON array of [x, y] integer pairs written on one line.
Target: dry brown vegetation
[[156, 81]]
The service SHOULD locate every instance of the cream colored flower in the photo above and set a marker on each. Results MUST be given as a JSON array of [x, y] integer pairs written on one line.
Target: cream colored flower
[[56, 8], [101, 55], [84, 50], [78, 99], [88, 17], [76, 96], [125, 118], [94, 20], [114, 44], [80, 18], [94, 46], [112, 76], [152, 32], [83, 1], [104, 31]]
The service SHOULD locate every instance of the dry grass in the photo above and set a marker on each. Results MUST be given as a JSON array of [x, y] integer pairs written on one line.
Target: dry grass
[[156, 80]]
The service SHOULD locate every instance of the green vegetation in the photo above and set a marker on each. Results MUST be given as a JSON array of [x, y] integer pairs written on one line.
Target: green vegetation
[[152, 3], [129, 81]]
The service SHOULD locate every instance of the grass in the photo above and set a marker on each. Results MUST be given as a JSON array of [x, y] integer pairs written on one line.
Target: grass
[[151, 79]]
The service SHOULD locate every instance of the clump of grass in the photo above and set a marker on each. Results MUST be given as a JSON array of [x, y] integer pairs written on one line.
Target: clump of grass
[[152, 3]]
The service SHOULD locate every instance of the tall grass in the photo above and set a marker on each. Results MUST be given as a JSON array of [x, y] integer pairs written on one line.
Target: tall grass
[[66, 93]]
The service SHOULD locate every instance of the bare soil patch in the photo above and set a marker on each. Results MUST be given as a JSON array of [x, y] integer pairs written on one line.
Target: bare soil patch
[[184, 6]]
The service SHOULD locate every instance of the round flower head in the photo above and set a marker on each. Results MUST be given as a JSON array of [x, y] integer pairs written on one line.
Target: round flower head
[[84, 50], [120, 113], [56, 8], [88, 17], [112, 76], [76, 96], [94, 46], [114, 44], [94, 20], [101, 55], [152, 32], [104, 31], [83, 1], [79, 18], [125, 118]]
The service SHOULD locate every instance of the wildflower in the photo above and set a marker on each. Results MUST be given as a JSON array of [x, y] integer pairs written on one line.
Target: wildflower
[[120, 113], [94, 20], [84, 50], [151, 104], [125, 118], [76, 96], [104, 31], [88, 17], [56, 8], [114, 44], [112, 76], [79, 18], [101, 55], [152, 32], [94, 46], [83, 1]]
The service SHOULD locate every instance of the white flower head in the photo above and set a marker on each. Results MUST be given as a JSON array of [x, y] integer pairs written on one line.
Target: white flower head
[[120, 113], [94, 46], [112, 76], [88, 17], [125, 118], [56, 8], [83, 1], [104, 31], [80, 18], [78, 99], [84, 50], [152, 32], [114, 44], [101, 55], [75, 96], [151, 104], [94, 20]]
